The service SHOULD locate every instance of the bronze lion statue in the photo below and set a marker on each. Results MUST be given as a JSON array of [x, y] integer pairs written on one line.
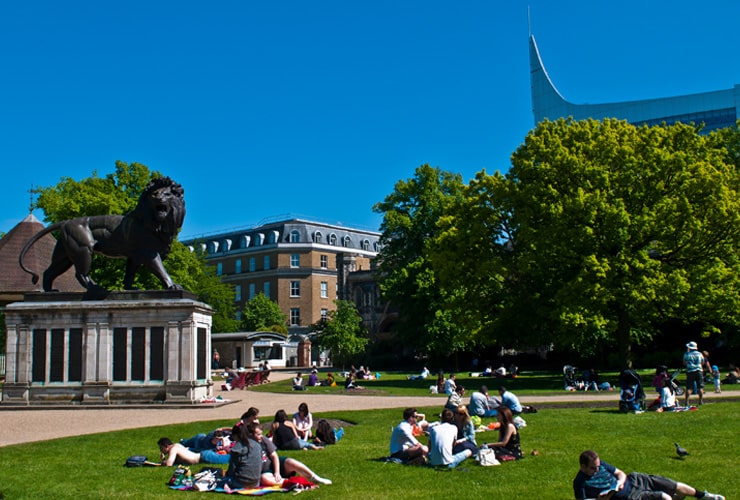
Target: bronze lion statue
[[143, 237]]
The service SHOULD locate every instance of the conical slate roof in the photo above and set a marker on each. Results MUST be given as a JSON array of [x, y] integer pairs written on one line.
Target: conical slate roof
[[14, 281]]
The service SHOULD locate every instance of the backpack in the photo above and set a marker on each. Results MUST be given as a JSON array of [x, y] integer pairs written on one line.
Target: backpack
[[136, 461]]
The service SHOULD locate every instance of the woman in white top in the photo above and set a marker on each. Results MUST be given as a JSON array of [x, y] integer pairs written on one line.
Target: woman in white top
[[303, 421]]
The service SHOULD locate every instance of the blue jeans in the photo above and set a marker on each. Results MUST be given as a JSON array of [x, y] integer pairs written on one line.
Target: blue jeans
[[458, 458], [213, 457]]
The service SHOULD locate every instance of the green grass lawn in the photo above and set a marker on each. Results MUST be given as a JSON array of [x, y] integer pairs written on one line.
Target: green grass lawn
[[92, 466]]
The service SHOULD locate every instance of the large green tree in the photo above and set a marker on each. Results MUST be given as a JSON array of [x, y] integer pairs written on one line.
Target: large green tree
[[600, 232], [118, 193], [262, 314], [406, 277], [341, 332]]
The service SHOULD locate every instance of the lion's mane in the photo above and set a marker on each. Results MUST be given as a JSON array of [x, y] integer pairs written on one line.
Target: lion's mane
[[162, 191]]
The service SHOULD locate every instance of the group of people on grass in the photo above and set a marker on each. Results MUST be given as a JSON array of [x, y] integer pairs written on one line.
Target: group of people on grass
[[699, 370], [251, 456], [452, 439]]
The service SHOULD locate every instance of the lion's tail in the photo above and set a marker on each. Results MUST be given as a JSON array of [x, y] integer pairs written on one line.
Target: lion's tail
[[30, 243]]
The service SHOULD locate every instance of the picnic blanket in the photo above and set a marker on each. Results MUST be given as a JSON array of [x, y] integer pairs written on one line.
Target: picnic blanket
[[206, 481], [254, 492]]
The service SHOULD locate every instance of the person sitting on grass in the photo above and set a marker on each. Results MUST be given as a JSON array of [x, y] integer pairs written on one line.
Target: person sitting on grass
[[313, 379], [274, 468], [667, 397], [465, 431], [349, 382], [245, 462], [298, 382], [597, 479], [177, 454], [442, 439], [455, 399], [285, 435], [507, 447], [404, 446], [303, 421], [480, 403], [510, 400]]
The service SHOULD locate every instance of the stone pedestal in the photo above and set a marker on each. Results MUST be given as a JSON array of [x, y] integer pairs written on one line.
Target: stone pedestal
[[122, 348]]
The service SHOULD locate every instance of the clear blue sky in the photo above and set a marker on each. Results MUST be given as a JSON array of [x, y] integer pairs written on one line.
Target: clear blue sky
[[316, 109]]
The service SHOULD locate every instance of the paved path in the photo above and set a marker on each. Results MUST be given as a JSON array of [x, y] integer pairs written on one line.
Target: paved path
[[22, 425]]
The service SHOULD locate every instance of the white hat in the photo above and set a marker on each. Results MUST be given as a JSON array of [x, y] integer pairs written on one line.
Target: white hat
[[692, 346]]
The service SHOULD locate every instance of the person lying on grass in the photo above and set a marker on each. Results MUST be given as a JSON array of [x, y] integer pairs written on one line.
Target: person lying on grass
[[175, 453], [597, 479]]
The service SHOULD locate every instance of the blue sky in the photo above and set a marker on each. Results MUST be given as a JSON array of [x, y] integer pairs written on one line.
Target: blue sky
[[268, 108]]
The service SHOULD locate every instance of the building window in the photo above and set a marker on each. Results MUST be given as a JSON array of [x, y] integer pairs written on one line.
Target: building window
[[365, 245], [273, 237], [324, 261], [295, 236], [295, 260], [219, 269], [295, 288], [238, 293], [324, 290], [266, 289], [252, 265], [295, 316], [238, 266], [324, 314], [251, 291], [266, 262], [238, 315], [346, 241], [317, 237], [332, 239]]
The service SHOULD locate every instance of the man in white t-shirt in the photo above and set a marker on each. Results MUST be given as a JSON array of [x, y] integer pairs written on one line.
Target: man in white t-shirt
[[441, 441], [404, 445]]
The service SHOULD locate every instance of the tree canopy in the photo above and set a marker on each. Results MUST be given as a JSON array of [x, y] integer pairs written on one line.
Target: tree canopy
[[406, 277], [599, 232], [118, 193], [262, 314], [341, 332]]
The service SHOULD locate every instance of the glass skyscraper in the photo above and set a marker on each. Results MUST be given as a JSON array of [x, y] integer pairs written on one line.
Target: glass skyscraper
[[716, 109]]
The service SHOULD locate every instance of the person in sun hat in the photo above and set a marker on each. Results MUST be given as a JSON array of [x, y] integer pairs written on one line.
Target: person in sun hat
[[693, 360]]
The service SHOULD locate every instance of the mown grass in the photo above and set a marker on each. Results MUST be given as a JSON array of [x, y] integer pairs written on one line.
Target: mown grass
[[92, 466]]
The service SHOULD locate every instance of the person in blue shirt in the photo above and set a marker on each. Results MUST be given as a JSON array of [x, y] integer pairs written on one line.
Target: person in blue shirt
[[510, 400], [693, 360], [597, 479]]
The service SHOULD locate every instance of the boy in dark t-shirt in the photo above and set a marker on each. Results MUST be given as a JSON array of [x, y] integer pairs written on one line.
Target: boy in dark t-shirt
[[597, 479]]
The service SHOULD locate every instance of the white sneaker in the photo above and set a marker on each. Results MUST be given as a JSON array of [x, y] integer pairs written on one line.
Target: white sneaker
[[712, 496], [321, 480]]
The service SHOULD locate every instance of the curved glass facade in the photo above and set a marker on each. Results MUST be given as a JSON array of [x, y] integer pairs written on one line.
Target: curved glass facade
[[717, 109]]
